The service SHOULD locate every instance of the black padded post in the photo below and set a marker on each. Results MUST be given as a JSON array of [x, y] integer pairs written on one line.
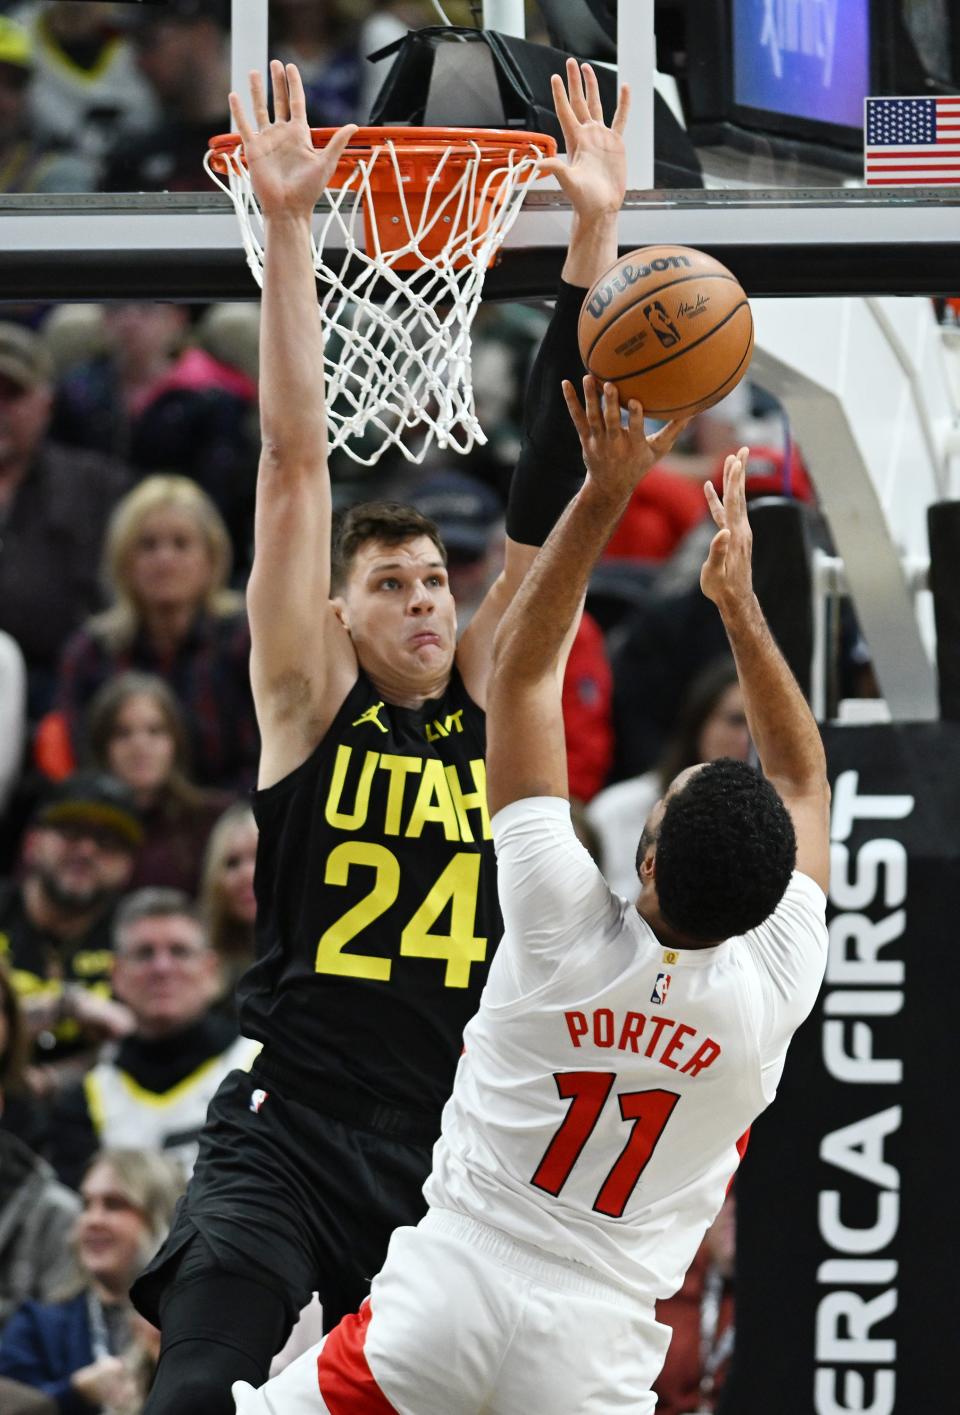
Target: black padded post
[[782, 579], [943, 530]]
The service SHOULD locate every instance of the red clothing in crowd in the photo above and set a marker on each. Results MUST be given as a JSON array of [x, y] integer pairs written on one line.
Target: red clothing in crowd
[[588, 711], [662, 509]]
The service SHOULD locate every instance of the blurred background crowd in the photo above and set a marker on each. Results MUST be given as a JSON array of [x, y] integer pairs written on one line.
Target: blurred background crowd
[[128, 744]]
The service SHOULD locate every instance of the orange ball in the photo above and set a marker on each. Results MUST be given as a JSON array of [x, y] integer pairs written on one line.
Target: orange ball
[[669, 326]]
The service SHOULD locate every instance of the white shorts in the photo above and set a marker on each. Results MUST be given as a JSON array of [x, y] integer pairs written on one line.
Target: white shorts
[[462, 1320]]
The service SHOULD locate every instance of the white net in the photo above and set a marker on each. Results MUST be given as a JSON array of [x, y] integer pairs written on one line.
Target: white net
[[397, 339]]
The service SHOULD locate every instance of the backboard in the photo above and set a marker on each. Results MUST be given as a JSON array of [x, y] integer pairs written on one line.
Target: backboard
[[768, 93]]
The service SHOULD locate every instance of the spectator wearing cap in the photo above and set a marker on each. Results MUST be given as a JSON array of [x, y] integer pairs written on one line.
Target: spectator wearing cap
[[153, 1092], [182, 50], [56, 925], [54, 506], [27, 163], [469, 517]]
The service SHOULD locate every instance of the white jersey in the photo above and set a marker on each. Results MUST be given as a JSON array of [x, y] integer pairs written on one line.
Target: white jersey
[[606, 1079], [125, 1115]]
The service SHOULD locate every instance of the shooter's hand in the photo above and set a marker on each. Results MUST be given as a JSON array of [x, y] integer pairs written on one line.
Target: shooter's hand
[[727, 575], [288, 173], [594, 173], [618, 455]]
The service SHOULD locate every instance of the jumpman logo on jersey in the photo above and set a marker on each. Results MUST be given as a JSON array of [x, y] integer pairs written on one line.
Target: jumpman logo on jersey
[[370, 716]]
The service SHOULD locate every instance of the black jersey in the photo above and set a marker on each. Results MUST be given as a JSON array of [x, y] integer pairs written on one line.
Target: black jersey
[[377, 910]]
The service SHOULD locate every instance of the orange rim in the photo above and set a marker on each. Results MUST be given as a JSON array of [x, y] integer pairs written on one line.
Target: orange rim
[[413, 146]]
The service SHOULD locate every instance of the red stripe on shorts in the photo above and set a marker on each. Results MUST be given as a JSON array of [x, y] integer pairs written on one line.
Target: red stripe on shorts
[[742, 1144], [346, 1381]]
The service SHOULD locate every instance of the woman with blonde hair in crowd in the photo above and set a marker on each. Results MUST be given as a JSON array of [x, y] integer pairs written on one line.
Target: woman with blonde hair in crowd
[[136, 731], [167, 566], [227, 901], [90, 1349]]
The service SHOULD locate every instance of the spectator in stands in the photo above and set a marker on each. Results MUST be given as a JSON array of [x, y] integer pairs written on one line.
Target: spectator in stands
[[55, 926], [154, 1091], [136, 731], [588, 711], [388, 21], [36, 1212], [13, 715], [90, 1350], [701, 1316], [54, 506], [27, 163], [228, 904], [319, 41], [183, 51], [159, 404], [167, 562], [665, 506], [711, 724], [86, 91]]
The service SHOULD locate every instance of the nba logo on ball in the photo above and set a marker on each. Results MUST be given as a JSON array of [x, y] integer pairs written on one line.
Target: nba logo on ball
[[257, 1099], [660, 988]]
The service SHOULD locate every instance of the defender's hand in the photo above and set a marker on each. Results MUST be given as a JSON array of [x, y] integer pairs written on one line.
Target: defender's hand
[[727, 575], [617, 455], [594, 175], [288, 173]]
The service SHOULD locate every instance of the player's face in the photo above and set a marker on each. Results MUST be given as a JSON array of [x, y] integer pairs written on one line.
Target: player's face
[[110, 1232], [400, 612], [651, 827]]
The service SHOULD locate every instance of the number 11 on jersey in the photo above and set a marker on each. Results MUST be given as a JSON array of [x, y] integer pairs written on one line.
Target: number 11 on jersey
[[588, 1092]]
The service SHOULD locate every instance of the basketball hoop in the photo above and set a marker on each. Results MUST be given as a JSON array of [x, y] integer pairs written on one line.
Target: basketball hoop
[[436, 206]]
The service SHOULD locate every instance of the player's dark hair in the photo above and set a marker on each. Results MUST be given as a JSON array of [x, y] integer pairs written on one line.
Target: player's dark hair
[[725, 851], [387, 521]]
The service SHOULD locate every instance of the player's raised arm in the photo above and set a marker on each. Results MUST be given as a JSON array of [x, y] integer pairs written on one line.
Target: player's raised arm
[[302, 662], [550, 466], [526, 753], [781, 724]]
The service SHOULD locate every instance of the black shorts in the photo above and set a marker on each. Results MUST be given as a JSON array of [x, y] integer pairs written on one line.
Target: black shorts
[[293, 1197]]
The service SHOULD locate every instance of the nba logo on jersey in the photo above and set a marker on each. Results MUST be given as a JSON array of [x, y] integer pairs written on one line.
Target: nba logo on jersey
[[660, 988], [257, 1099]]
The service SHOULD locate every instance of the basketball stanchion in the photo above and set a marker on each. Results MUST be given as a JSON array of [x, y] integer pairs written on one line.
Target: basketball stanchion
[[669, 326], [415, 218]]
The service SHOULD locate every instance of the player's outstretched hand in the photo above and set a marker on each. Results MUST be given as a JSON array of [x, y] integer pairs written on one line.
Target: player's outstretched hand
[[288, 173], [727, 575], [594, 173], [617, 452]]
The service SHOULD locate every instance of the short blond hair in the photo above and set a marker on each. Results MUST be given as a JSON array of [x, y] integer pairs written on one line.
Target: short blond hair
[[118, 624]]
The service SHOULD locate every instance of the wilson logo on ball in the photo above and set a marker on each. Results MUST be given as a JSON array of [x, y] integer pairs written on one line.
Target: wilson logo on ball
[[629, 275]]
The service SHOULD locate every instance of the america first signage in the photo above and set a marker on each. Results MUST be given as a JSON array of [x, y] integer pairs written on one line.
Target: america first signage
[[848, 1226]]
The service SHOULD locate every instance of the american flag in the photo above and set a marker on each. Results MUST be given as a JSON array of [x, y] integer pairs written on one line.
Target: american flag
[[912, 142]]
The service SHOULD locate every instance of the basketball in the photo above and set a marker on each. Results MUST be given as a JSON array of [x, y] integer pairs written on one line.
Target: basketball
[[669, 326]]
